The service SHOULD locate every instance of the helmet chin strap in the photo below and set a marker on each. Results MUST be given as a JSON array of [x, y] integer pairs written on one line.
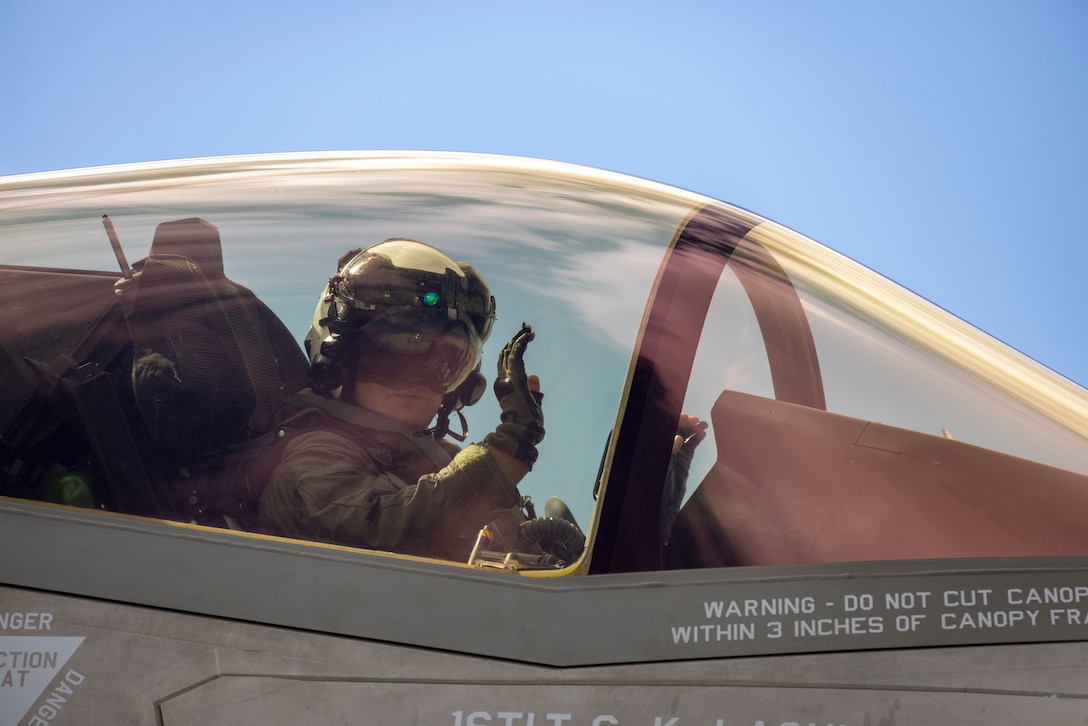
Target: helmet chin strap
[[441, 427], [466, 394]]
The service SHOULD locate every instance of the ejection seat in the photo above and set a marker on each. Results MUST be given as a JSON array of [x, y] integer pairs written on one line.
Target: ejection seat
[[151, 405], [797, 484]]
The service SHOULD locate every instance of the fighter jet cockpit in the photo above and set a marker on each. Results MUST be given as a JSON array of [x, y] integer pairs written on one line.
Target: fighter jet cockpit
[[154, 321]]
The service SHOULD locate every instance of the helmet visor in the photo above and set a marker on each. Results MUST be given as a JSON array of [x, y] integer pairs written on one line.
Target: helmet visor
[[405, 347]]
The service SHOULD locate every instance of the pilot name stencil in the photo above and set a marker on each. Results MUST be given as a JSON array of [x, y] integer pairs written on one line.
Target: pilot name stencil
[[515, 718]]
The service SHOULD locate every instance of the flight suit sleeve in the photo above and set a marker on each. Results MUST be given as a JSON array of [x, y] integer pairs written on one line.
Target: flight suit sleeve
[[327, 488]]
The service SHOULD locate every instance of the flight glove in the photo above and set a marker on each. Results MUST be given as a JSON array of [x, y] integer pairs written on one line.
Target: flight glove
[[522, 426]]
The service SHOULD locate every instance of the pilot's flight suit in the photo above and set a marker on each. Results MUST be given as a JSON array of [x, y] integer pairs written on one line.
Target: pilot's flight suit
[[357, 478]]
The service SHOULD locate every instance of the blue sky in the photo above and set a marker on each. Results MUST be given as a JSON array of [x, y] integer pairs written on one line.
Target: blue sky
[[940, 143]]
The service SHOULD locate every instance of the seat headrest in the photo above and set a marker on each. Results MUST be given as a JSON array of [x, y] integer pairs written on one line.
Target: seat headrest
[[193, 238]]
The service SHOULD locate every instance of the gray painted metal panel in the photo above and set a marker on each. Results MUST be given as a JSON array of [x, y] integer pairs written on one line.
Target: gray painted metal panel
[[563, 622], [148, 666]]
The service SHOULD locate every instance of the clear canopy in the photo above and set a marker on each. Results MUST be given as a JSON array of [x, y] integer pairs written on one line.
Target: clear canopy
[[808, 367]]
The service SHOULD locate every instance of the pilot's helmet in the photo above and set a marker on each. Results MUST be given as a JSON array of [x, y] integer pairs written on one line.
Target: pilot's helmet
[[400, 313]]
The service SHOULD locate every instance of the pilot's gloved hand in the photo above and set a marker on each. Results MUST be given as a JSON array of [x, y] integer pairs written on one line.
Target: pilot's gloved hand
[[690, 431], [519, 395]]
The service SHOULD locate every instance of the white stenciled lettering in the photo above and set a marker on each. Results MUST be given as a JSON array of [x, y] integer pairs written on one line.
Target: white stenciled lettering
[[509, 718], [909, 623], [56, 700], [851, 603], [966, 598], [977, 619], [1068, 616], [26, 621], [719, 633], [1047, 595], [906, 600], [823, 627], [660, 721], [718, 609]]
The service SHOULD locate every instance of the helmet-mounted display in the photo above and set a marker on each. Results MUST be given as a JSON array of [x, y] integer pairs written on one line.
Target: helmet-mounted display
[[402, 313]]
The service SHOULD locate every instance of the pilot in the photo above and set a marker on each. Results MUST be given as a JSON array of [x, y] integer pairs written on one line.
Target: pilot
[[395, 348]]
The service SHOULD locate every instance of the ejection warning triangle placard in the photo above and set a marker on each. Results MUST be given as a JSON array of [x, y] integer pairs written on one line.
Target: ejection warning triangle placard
[[28, 665]]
